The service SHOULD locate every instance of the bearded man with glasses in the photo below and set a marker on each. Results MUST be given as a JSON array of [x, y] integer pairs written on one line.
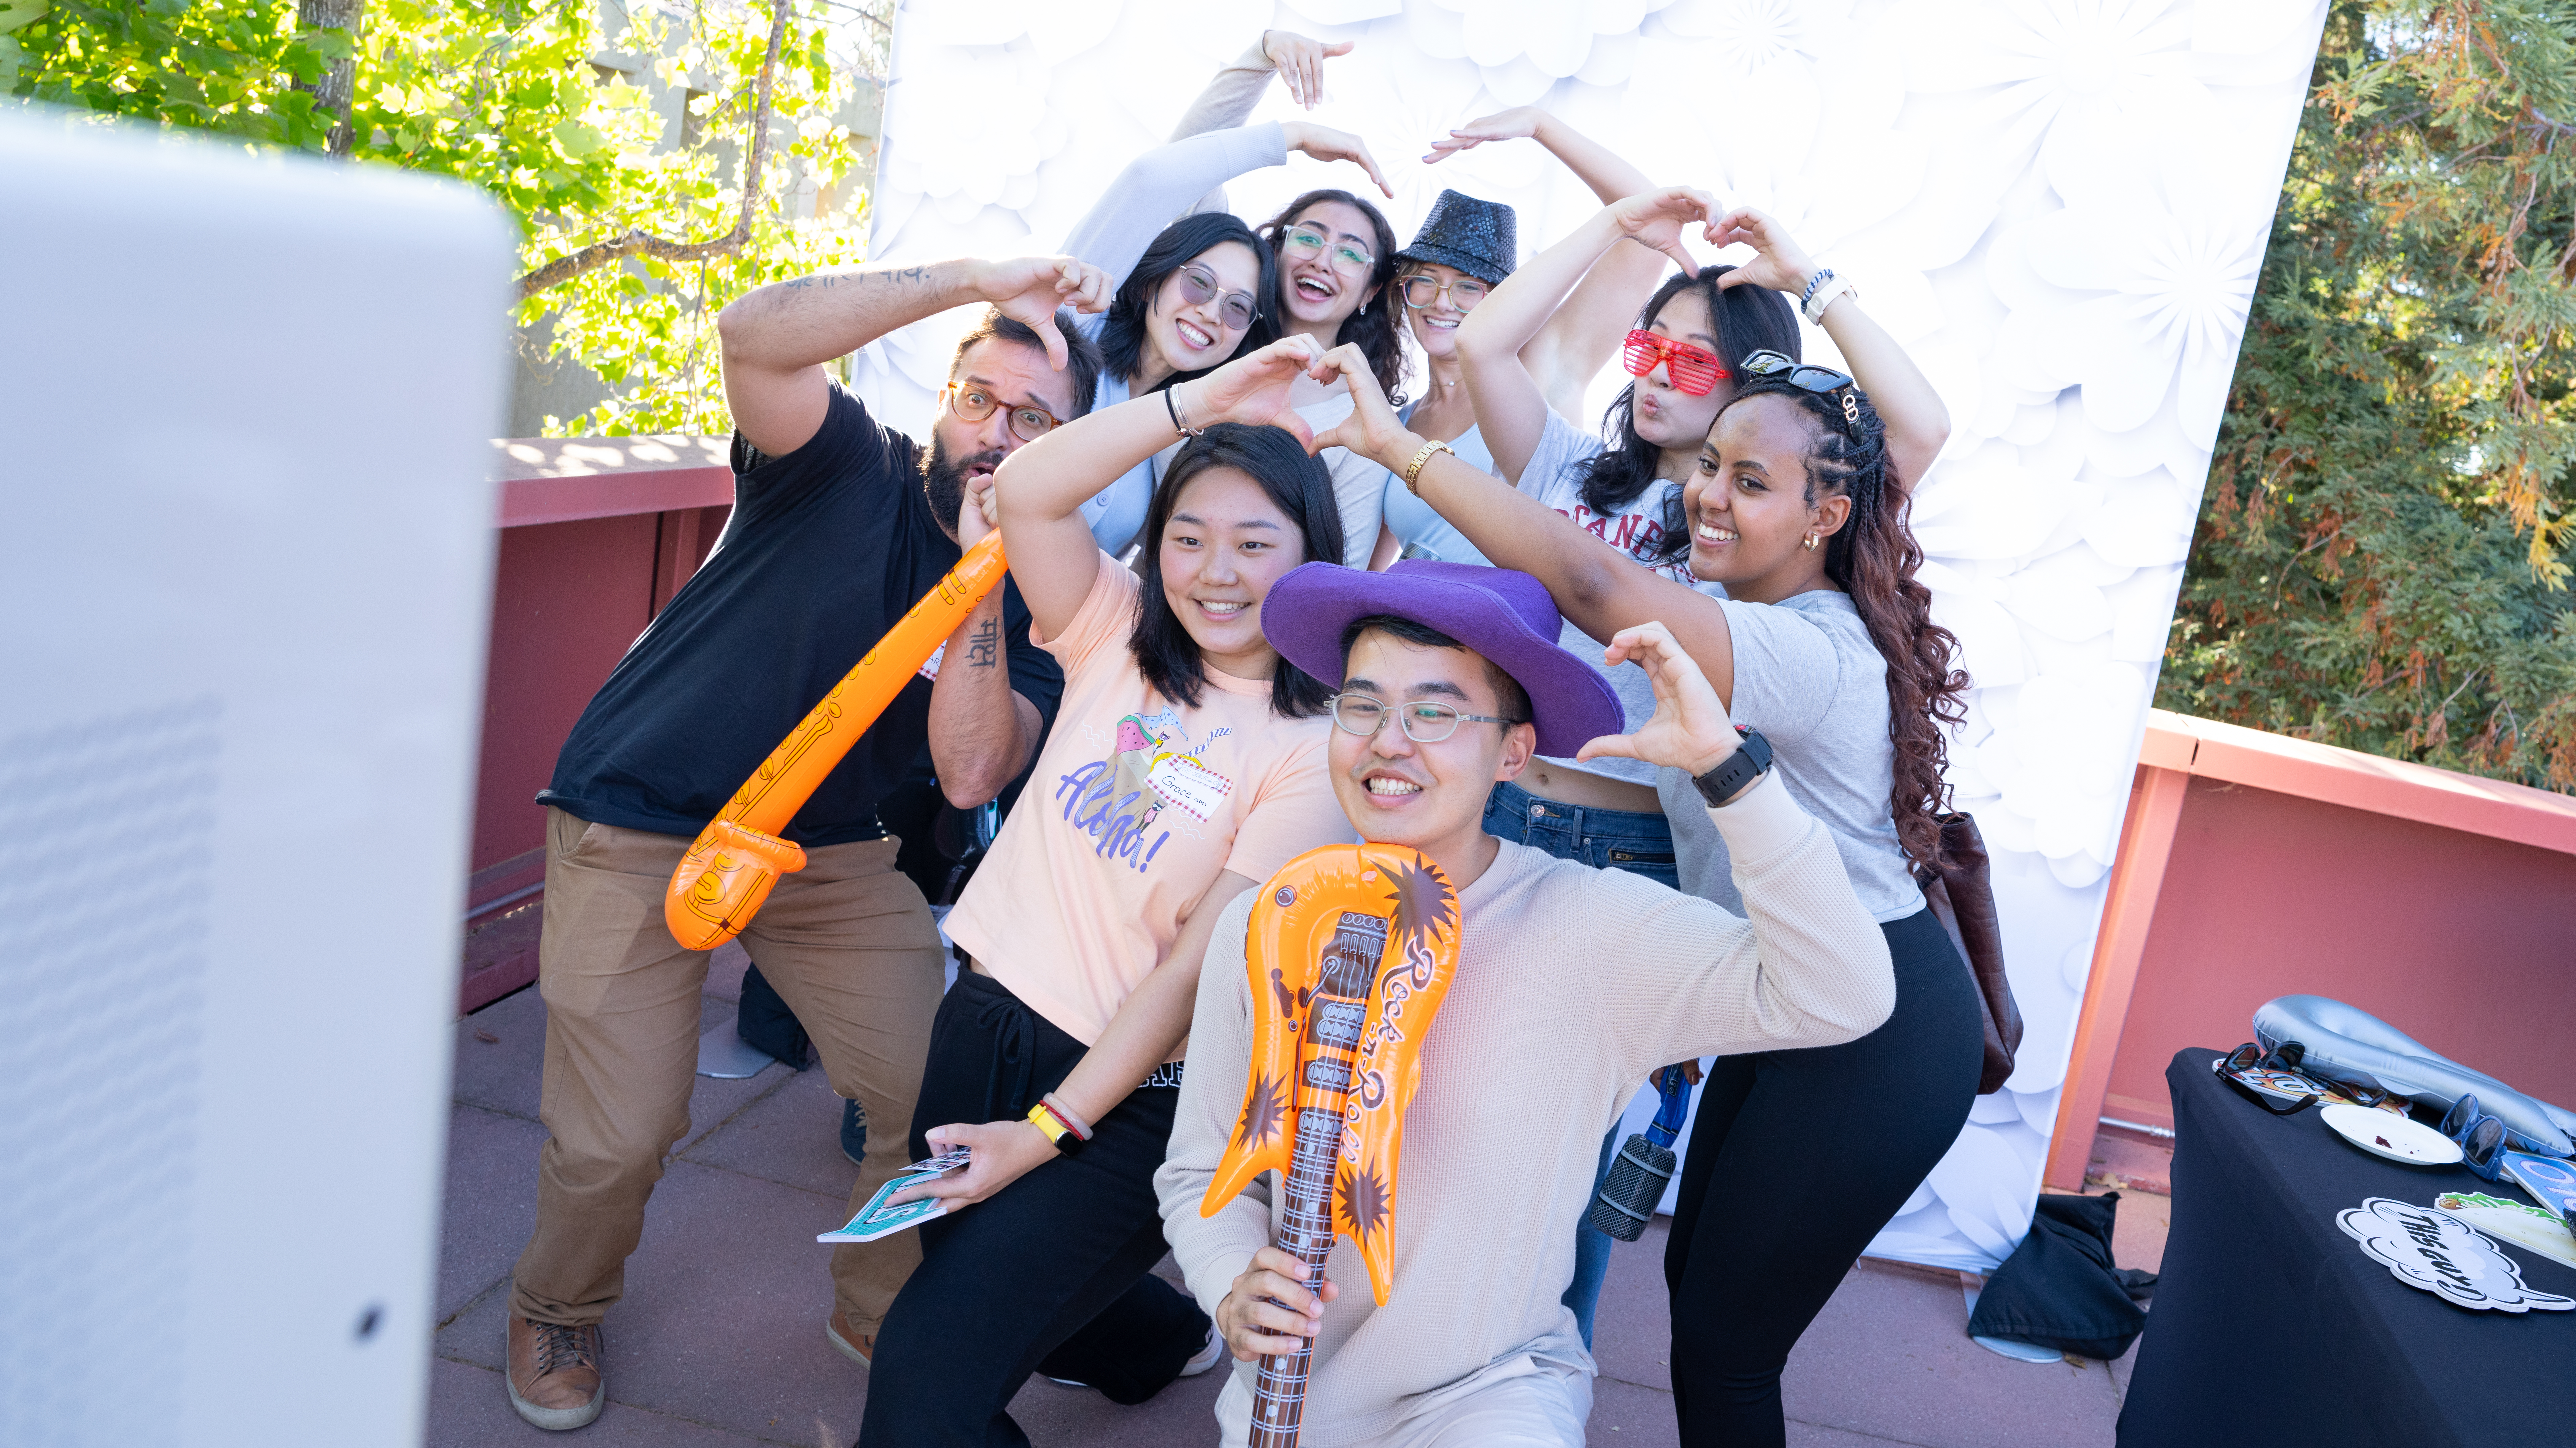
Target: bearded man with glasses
[[839, 524]]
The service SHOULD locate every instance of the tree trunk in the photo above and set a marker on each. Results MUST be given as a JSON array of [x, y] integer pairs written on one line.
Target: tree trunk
[[339, 78]]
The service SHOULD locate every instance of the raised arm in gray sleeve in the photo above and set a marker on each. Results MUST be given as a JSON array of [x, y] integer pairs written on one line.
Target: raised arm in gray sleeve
[[1225, 104], [1229, 98], [1164, 185]]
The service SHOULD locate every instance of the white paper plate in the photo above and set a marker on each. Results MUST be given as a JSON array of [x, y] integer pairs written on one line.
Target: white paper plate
[[2385, 1134]]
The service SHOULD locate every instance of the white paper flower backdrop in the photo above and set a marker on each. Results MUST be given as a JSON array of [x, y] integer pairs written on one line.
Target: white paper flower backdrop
[[2059, 207]]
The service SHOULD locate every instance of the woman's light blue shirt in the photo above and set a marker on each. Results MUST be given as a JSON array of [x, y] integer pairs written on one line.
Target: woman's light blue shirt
[[1417, 526]]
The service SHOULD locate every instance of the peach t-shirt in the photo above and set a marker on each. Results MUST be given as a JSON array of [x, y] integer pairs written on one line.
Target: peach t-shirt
[[1136, 806]]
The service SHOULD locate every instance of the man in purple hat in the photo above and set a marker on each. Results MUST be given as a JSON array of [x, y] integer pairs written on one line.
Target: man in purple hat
[[1572, 984]]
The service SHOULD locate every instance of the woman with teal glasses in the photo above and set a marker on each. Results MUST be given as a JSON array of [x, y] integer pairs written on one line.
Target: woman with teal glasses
[[1195, 287], [1336, 257]]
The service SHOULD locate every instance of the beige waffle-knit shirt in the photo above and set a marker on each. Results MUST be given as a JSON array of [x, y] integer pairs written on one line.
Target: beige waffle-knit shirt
[[1573, 984]]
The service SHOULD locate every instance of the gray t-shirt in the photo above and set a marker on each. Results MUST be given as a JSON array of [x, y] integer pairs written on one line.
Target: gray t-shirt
[[1555, 477], [1808, 677]]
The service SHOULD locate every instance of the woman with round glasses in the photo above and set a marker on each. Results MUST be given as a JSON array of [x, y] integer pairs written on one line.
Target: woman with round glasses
[[1191, 293], [1336, 255], [1187, 765]]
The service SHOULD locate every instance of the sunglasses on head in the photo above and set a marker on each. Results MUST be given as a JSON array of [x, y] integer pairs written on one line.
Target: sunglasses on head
[[1820, 380], [1199, 286], [1694, 370]]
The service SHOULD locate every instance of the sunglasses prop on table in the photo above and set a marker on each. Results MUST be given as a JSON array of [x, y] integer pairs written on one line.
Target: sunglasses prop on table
[[2284, 1082], [2481, 1137]]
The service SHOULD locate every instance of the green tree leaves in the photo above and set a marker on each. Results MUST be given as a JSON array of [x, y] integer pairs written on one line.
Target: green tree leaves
[[503, 94], [2384, 544]]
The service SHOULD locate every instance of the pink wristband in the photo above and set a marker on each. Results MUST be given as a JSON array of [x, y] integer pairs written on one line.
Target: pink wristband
[[1061, 1112]]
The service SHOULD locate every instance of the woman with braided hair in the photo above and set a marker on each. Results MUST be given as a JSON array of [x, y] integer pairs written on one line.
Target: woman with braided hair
[[1824, 645]]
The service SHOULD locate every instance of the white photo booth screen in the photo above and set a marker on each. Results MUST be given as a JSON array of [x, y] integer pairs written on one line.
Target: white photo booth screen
[[245, 411], [2059, 208]]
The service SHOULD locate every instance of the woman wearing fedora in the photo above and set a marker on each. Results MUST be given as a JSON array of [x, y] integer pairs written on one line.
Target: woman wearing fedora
[[1465, 249]]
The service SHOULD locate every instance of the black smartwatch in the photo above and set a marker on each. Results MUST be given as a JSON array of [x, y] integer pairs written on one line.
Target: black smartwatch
[[1723, 784]]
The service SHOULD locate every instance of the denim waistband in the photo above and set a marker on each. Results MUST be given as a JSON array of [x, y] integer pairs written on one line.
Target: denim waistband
[[1633, 826]]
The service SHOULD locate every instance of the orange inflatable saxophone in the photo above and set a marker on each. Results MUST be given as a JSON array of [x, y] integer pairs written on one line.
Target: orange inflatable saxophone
[[1351, 948], [729, 870]]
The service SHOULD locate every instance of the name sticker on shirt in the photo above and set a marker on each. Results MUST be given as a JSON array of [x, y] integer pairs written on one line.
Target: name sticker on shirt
[[1189, 786]]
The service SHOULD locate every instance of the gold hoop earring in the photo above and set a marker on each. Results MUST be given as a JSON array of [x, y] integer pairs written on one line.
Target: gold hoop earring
[[1810, 544]]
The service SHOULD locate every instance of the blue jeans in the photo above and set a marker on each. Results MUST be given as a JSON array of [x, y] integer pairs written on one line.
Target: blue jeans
[[1639, 842]]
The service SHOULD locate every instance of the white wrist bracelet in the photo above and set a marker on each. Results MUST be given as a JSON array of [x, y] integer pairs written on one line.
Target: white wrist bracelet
[[1834, 285]]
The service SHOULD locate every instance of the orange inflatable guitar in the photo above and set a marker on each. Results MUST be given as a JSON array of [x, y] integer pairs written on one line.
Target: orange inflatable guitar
[[1351, 949], [729, 870]]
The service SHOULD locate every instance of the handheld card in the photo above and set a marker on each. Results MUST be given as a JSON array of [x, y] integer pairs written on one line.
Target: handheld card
[[881, 1219]]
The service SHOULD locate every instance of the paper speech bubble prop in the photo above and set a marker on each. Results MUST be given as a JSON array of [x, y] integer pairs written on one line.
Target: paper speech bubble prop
[[2444, 1256]]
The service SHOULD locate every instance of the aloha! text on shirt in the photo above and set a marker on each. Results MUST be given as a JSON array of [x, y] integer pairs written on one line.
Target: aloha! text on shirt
[[1117, 799]]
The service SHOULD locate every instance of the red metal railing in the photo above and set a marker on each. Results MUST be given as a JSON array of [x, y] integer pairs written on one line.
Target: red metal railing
[[596, 535], [2253, 865]]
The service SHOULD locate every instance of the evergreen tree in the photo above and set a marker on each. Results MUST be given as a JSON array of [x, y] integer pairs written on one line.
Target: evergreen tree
[[2382, 557]]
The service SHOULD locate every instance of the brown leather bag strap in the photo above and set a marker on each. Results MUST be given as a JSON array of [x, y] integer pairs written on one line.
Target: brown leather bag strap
[[1962, 894]]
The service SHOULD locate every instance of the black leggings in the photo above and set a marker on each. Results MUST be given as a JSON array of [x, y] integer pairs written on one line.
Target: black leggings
[[1796, 1160], [1052, 1274]]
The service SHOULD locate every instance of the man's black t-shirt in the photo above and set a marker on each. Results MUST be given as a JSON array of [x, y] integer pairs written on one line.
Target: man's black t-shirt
[[827, 548]]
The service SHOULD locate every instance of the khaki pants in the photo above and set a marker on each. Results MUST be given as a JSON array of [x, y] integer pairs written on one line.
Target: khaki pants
[[849, 944]]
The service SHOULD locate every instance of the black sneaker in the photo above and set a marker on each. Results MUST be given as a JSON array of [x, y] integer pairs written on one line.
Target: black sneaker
[[854, 1133]]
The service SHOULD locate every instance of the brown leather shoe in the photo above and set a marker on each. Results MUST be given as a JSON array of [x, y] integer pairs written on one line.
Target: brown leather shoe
[[555, 1379], [856, 1346]]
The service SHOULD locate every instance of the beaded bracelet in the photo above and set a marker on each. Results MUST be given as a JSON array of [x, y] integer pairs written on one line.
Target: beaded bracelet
[[1813, 282]]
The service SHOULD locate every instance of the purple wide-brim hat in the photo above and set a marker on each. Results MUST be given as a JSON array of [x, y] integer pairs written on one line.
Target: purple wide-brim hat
[[1502, 613]]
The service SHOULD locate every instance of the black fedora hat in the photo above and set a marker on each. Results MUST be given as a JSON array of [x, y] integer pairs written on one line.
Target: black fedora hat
[[1480, 238]]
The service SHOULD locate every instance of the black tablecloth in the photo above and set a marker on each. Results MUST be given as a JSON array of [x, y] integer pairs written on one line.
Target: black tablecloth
[[2271, 1326]]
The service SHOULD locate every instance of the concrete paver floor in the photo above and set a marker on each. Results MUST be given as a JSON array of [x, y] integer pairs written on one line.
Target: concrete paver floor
[[718, 1342]]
